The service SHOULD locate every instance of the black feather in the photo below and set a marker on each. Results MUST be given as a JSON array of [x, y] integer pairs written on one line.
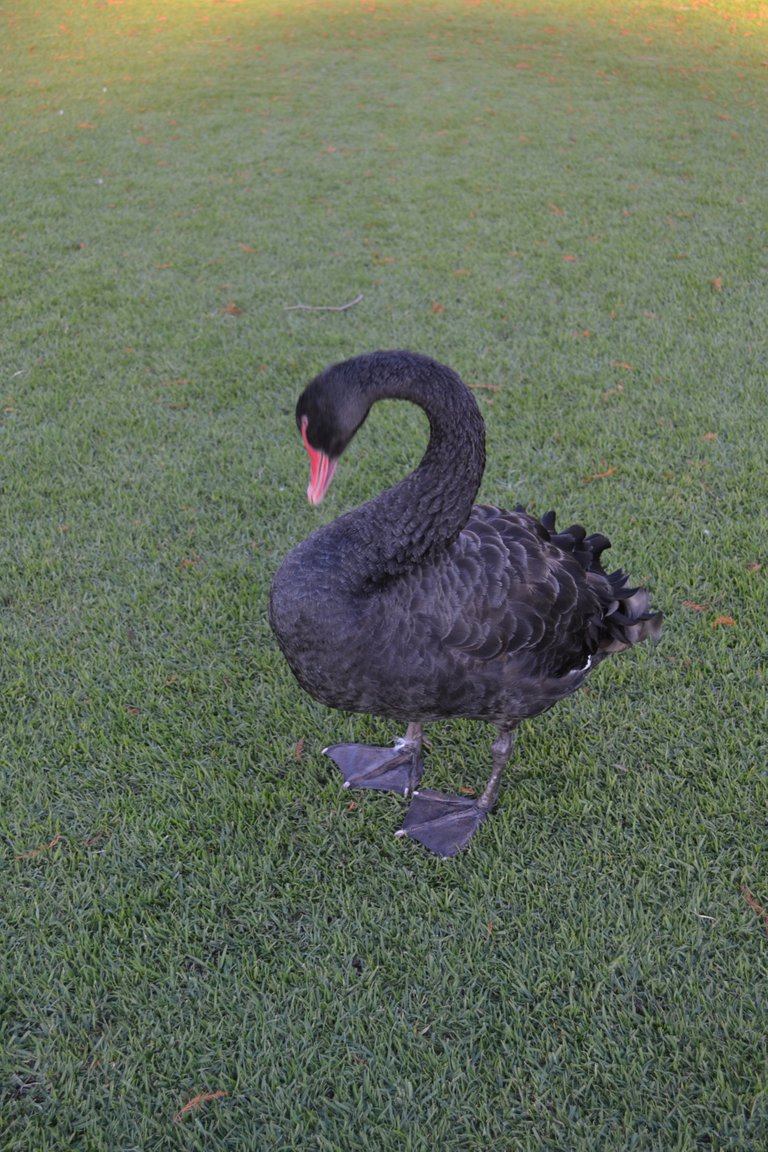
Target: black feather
[[421, 606]]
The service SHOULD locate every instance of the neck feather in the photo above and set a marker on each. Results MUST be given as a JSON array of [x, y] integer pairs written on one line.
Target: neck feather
[[425, 512]]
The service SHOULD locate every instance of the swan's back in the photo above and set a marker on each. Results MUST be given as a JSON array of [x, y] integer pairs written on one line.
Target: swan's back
[[499, 626]]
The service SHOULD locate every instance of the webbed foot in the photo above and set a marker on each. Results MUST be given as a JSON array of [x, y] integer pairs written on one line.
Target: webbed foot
[[397, 769], [443, 824]]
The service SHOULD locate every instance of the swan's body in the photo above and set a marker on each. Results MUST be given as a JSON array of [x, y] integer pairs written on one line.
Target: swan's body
[[420, 606]]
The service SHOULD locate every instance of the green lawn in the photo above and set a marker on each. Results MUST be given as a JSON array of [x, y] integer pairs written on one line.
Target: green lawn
[[567, 202]]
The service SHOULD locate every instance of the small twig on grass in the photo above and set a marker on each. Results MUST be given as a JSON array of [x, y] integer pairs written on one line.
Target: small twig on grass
[[196, 1101], [323, 307], [36, 851], [600, 475], [755, 906]]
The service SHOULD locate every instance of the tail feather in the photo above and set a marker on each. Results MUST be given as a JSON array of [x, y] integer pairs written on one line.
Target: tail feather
[[628, 618], [633, 619]]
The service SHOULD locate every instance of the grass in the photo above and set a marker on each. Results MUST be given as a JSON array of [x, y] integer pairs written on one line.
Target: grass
[[567, 203]]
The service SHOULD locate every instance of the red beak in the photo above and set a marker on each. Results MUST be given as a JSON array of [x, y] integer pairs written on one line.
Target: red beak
[[321, 467]]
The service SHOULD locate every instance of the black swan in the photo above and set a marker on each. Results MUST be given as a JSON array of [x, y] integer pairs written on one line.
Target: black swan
[[420, 606]]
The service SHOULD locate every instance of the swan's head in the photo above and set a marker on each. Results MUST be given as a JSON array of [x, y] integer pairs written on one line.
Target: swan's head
[[328, 413]]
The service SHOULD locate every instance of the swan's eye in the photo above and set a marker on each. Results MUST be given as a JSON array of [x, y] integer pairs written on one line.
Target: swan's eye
[[304, 424]]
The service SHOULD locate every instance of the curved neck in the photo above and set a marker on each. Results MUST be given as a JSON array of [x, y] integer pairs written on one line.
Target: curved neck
[[425, 512]]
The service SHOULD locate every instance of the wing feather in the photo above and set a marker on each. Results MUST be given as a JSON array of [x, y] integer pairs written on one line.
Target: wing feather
[[513, 592]]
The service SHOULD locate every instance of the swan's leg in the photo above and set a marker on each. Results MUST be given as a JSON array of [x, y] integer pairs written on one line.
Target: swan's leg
[[397, 769], [446, 824]]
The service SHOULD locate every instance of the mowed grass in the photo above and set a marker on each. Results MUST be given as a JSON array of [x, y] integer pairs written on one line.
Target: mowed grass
[[206, 943]]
